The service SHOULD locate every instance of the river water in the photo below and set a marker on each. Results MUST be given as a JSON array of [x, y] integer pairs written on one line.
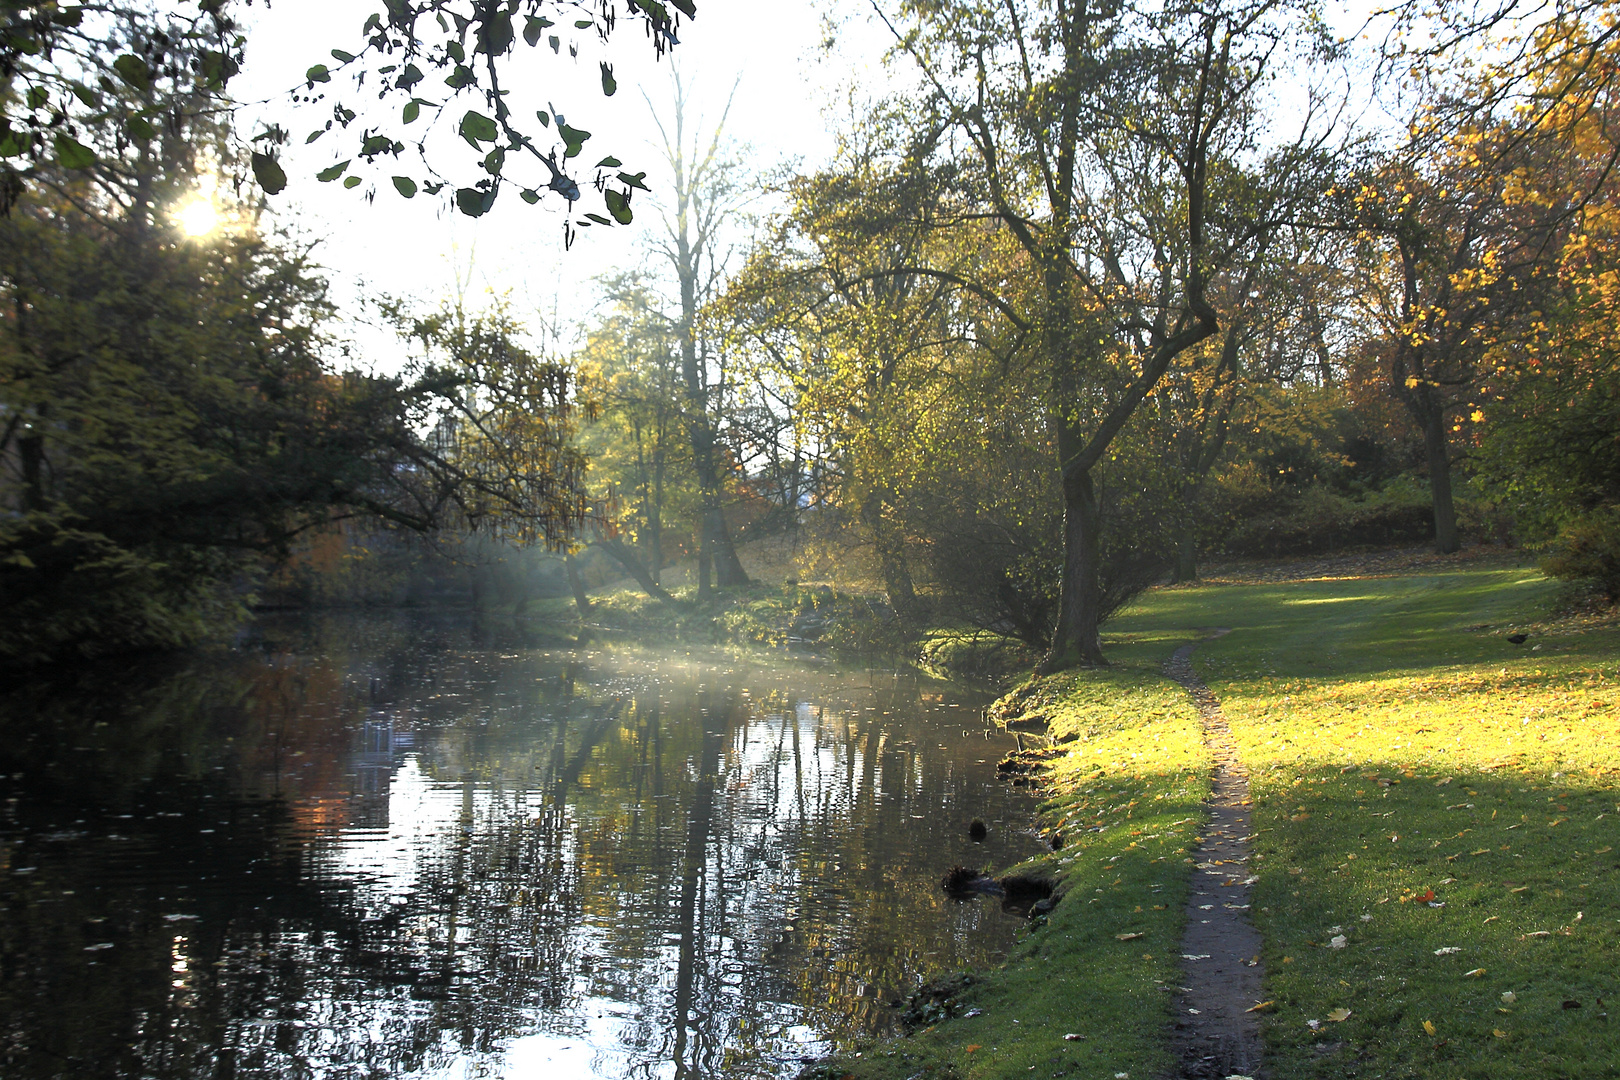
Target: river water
[[394, 846]]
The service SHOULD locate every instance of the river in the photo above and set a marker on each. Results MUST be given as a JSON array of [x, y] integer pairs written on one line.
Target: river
[[405, 846]]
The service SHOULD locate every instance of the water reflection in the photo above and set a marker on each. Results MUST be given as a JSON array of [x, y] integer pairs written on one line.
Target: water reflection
[[362, 848]]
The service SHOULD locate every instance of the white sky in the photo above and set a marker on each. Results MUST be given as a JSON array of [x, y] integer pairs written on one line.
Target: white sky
[[786, 105], [418, 248]]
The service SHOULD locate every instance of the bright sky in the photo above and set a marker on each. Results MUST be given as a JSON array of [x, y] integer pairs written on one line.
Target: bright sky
[[784, 81]]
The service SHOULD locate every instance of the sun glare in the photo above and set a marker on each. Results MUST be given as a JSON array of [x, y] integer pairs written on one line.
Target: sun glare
[[198, 218]]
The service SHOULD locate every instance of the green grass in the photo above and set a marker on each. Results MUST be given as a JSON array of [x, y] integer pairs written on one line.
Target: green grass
[[1397, 745], [1126, 800]]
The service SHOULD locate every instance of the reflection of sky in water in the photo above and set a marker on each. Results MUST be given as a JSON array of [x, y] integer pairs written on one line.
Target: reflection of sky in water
[[560, 864]]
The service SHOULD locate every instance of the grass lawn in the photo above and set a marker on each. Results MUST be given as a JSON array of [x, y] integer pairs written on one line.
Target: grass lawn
[[1437, 820]]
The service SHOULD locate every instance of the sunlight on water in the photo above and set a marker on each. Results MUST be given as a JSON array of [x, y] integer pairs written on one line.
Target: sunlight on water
[[373, 847]]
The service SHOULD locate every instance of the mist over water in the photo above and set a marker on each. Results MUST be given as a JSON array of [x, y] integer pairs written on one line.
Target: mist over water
[[398, 846]]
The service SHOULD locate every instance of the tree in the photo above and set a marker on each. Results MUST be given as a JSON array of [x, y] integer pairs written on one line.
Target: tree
[[1097, 135]]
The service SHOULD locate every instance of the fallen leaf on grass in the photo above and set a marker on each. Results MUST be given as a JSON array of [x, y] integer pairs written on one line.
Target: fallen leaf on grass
[[1339, 1015], [1072, 1037], [1128, 937], [1428, 1026], [1447, 950], [1536, 933], [1337, 942], [1509, 997], [973, 1046], [1572, 1004], [1260, 1007], [1476, 973], [1499, 1033]]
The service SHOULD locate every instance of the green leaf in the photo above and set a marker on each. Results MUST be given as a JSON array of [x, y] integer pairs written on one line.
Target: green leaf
[[573, 139], [686, 6], [544, 118], [461, 76], [582, 24], [268, 172], [9, 146], [477, 128], [599, 219], [456, 52], [409, 77], [531, 197], [474, 203], [494, 160], [634, 181], [376, 144], [37, 96], [326, 176], [318, 73], [534, 28], [218, 68], [352, 182], [317, 133], [609, 83], [405, 186], [609, 162], [133, 70], [433, 189], [619, 206], [69, 17], [413, 109], [141, 130], [346, 57], [495, 36], [72, 153], [656, 11]]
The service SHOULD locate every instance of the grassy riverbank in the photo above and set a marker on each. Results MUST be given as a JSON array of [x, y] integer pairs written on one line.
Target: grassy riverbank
[[1399, 747]]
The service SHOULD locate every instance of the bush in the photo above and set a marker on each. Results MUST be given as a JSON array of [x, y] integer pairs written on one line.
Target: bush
[[1588, 550]]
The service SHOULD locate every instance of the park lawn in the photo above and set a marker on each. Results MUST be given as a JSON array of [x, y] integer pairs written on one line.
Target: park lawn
[[1126, 799], [1399, 745]]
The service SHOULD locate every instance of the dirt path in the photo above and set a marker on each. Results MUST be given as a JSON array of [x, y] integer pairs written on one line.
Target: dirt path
[[1215, 1035]]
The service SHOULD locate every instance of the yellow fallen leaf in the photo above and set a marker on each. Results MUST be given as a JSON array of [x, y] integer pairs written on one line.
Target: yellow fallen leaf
[[1499, 1033], [1428, 1025], [1339, 1015], [1260, 1007], [973, 1046], [1476, 973], [1128, 937]]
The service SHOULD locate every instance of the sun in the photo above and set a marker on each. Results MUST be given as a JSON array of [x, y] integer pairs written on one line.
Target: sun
[[197, 217]]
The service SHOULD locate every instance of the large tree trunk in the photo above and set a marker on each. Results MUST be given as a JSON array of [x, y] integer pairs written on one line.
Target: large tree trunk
[[1078, 624], [1445, 511], [728, 568], [581, 600], [1186, 554], [627, 557], [892, 564]]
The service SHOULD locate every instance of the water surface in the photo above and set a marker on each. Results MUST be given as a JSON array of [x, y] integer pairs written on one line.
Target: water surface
[[394, 846]]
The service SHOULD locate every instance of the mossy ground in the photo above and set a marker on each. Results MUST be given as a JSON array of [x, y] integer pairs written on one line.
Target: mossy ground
[[1398, 746]]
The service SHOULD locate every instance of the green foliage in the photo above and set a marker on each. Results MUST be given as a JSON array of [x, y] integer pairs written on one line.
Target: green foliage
[[1588, 550]]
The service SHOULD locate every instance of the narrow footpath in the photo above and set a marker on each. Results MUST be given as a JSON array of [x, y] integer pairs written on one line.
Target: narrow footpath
[[1216, 1036]]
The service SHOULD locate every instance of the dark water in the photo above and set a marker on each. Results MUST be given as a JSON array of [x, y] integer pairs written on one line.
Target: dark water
[[388, 847]]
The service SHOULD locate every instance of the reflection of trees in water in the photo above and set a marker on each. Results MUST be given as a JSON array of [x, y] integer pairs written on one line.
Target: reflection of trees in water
[[711, 868]]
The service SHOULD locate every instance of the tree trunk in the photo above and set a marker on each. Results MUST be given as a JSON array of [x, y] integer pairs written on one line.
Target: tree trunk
[[1078, 624], [1445, 510], [1186, 554], [626, 557], [728, 568], [891, 554], [577, 584]]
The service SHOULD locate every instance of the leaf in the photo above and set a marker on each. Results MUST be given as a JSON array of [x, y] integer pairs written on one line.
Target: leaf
[[268, 172], [1476, 973], [609, 162], [530, 196], [609, 83], [405, 186], [689, 8], [413, 109], [72, 153], [1128, 937], [533, 29], [599, 219], [573, 139], [1261, 1007], [318, 73], [1338, 1016], [351, 182], [476, 128], [619, 206], [133, 70], [317, 133], [346, 57], [140, 129], [1428, 1026], [634, 180], [495, 36], [1499, 1033], [974, 1046], [37, 96], [326, 176], [409, 77], [87, 95], [582, 24], [473, 202]]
